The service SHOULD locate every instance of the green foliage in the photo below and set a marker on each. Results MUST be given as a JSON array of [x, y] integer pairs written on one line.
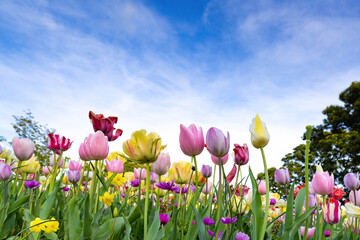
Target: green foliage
[[27, 127]]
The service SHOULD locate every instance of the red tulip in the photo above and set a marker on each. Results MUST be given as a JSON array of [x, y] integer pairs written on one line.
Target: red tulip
[[106, 125], [231, 174], [53, 141]]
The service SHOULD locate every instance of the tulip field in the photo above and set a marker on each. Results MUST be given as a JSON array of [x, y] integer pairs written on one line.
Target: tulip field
[[96, 198]]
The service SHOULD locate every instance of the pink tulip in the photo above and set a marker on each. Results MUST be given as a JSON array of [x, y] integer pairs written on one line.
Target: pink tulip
[[191, 140], [262, 187], [241, 154], [310, 232], [84, 153], [153, 177], [74, 176], [224, 159], [23, 148], [207, 187], [5, 171], [51, 163], [352, 181], [137, 173], [94, 147], [115, 166], [282, 176], [352, 197], [46, 170], [75, 166], [216, 142], [162, 164], [323, 183]]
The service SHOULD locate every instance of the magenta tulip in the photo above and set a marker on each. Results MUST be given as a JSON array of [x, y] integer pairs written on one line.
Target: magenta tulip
[[105, 125], [331, 212], [94, 147], [53, 141], [75, 166], [137, 173], [115, 166], [23, 148], [262, 187], [74, 176], [282, 176], [323, 183], [352, 181], [310, 232], [241, 154], [65, 144], [217, 143], [224, 159], [161, 165], [5, 171], [191, 140]]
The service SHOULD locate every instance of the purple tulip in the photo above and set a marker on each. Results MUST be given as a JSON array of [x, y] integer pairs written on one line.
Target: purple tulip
[[135, 183], [216, 161], [206, 171], [23, 148], [213, 234], [327, 233], [115, 166], [323, 183], [32, 184], [282, 176], [272, 201], [217, 143], [75, 166], [241, 154], [241, 236], [65, 189], [352, 181], [208, 221], [74, 176], [164, 218], [228, 220], [5, 171], [191, 140], [94, 147], [162, 164]]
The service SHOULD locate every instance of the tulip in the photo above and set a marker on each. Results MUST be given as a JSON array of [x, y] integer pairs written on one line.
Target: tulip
[[216, 161], [23, 148], [282, 176], [327, 233], [352, 210], [206, 171], [53, 141], [105, 125], [180, 172], [30, 166], [259, 134], [164, 218], [323, 183], [241, 236], [352, 181], [191, 140], [354, 197], [1, 150], [241, 154], [32, 184], [207, 188], [208, 221], [46, 170], [331, 212], [5, 171], [153, 177], [74, 176], [65, 144], [262, 187], [52, 162], [94, 147], [137, 173], [142, 147], [217, 143], [161, 165], [115, 166], [75, 166], [231, 174], [228, 220], [310, 233]]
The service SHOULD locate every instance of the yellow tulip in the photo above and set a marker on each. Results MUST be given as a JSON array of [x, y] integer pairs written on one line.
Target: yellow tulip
[[201, 179], [237, 205], [30, 166], [180, 172], [259, 134]]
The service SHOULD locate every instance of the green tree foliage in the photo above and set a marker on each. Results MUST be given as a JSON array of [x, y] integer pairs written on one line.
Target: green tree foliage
[[26, 127], [335, 144]]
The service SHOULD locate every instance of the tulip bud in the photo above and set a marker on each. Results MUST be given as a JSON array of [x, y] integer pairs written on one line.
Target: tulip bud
[[161, 165], [352, 181], [310, 232], [94, 147], [331, 212], [259, 134], [74, 176], [5, 171], [115, 213], [241, 154], [282, 176], [23, 148], [262, 187], [191, 140], [323, 183], [206, 171], [217, 143], [137, 173]]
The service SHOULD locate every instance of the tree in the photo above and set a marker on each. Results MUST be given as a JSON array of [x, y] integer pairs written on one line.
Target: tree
[[335, 144], [27, 127]]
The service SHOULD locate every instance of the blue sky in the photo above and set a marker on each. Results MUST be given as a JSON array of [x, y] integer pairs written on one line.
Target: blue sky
[[156, 64]]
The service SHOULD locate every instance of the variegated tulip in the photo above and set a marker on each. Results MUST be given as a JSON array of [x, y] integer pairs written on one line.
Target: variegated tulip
[[259, 134]]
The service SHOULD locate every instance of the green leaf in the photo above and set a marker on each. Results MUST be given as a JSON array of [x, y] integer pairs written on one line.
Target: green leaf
[[256, 208], [74, 220], [199, 223], [86, 231], [49, 203], [51, 236], [127, 229], [155, 231], [289, 208], [17, 204], [298, 222], [299, 202]]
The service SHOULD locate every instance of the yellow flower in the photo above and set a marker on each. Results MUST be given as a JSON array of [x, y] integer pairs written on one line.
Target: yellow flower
[[30, 166], [352, 210], [201, 179], [276, 196], [118, 180], [180, 172], [107, 199], [259, 134], [64, 179], [237, 205], [37, 228], [116, 155], [273, 214], [142, 148], [51, 226], [115, 212], [129, 176]]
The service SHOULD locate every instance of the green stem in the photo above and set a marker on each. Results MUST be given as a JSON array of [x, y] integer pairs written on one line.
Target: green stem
[[267, 201], [236, 179], [3, 211], [196, 179], [16, 178], [56, 166], [98, 187], [218, 216], [93, 187], [146, 198], [322, 222], [331, 233], [308, 134], [157, 196]]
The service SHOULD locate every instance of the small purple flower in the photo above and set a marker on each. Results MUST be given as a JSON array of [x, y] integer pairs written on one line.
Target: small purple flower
[[327, 233], [206, 171], [272, 201], [242, 236], [209, 221], [167, 185], [214, 234], [176, 205], [123, 195], [83, 183], [164, 218], [135, 183], [65, 189], [32, 184], [228, 220], [193, 222]]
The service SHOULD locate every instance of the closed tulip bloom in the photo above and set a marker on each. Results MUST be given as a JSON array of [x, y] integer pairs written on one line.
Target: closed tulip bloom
[[23, 148], [216, 161], [180, 172], [65, 144], [352, 197], [52, 162], [105, 125], [207, 187], [310, 232], [5, 171], [323, 183], [282, 176], [241, 154], [74, 176], [331, 212], [84, 152], [137, 173], [259, 134], [153, 177], [164, 218], [46, 170], [53, 141], [115, 166], [206, 171], [31, 166], [262, 187], [75, 166], [142, 147], [191, 140], [94, 147], [352, 181], [161, 165], [216, 142]]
